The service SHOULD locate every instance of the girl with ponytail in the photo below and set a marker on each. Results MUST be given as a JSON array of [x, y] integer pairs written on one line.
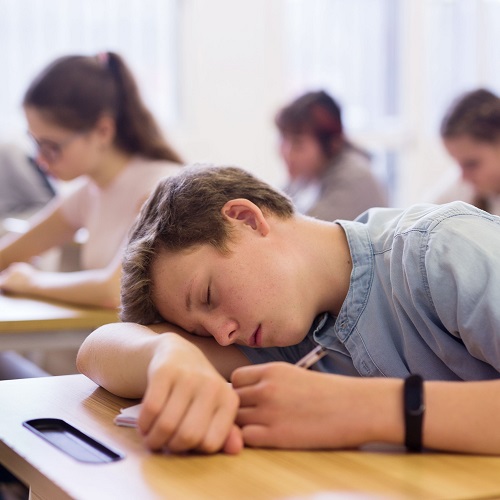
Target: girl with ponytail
[[88, 122]]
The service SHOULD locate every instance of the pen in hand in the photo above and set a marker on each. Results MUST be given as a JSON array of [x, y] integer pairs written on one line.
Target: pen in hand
[[128, 417], [312, 357]]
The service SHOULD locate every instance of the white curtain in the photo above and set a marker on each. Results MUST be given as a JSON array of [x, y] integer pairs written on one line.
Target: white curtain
[[34, 32], [395, 66]]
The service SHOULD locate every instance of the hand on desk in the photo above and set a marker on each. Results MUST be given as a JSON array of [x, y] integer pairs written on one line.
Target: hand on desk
[[188, 405], [17, 278], [284, 406]]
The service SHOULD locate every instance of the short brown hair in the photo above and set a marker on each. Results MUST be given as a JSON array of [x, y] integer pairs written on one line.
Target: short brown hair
[[475, 113], [185, 211], [315, 113]]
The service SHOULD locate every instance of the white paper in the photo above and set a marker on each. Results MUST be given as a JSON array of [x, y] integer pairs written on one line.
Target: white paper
[[128, 416]]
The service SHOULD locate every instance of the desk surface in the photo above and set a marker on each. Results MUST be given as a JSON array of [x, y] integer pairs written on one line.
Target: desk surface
[[22, 314], [255, 474]]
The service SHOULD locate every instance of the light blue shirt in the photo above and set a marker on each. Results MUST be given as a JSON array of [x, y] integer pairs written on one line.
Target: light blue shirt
[[424, 297]]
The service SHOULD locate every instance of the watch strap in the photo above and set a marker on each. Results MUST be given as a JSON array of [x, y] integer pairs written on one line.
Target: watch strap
[[414, 410]]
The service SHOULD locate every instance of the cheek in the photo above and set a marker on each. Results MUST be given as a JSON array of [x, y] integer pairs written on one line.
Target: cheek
[[85, 158], [315, 159], [69, 169], [284, 151], [495, 179], [250, 288], [241, 296], [488, 171]]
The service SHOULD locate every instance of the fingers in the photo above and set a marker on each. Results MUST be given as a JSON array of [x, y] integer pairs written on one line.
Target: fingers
[[247, 375], [183, 420], [160, 418], [182, 412], [153, 402], [258, 384], [205, 426], [268, 404], [253, 374], [234, 442], [256, 436]]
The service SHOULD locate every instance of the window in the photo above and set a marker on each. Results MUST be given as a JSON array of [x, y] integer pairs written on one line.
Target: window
[[395, 66], [34, 32]]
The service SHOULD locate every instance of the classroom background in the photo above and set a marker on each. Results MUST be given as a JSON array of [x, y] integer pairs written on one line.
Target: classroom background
[[215, 72]]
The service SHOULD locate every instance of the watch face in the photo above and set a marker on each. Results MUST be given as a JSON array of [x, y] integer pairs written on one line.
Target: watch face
[[414, 403], [414, 400]]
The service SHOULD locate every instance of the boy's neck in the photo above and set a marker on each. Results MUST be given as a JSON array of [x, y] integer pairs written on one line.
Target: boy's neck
[[329, 265]]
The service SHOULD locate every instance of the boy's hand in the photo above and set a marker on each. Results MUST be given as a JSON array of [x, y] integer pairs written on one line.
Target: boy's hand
[[188, 405], [284, 406]]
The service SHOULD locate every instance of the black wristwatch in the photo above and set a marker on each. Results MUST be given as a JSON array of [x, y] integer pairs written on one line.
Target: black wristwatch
[[414, 409]]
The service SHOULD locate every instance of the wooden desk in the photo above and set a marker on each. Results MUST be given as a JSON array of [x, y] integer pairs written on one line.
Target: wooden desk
[[27, 323], [254, 474]]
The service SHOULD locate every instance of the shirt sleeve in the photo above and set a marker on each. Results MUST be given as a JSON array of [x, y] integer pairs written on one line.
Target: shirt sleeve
[[462, 263]]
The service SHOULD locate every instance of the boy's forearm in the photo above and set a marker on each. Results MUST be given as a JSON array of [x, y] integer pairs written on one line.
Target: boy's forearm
[[285, 406], [117, 357], [459, 416], [463, 416]]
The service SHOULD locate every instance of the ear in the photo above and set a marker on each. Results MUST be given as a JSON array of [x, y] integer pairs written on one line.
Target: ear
[[105, 128], [247, 213]]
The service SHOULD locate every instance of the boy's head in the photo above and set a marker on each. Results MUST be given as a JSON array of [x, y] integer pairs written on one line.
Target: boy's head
[[185, 212]]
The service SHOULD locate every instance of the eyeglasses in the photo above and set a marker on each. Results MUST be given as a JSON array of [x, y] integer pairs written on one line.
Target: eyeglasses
[[51, 150]]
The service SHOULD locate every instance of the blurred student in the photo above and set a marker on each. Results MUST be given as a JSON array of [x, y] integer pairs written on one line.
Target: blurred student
[[88, 121], [471, 134], [329, 177], [24, 187]]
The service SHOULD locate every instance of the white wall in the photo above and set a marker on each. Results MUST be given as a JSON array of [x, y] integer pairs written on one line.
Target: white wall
[[231, 84], [424, 161], [233, 80]]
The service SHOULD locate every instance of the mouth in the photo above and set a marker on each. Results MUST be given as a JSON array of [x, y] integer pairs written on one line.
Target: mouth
[[256, 339]]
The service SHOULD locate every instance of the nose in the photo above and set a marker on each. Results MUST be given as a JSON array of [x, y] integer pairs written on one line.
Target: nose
[[222, 329], [41, 161]]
